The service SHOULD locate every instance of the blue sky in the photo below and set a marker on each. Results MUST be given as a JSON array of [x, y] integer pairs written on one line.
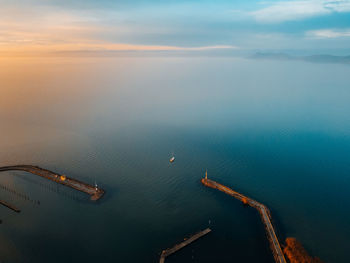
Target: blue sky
[[138, 24]]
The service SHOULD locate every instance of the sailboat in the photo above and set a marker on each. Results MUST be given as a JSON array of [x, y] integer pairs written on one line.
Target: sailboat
[[172, 159]]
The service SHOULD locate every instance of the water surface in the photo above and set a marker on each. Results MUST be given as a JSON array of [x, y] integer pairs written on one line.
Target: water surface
[[276, 131]]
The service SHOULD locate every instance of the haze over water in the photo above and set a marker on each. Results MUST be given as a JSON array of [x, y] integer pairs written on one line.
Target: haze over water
[[277, 131]]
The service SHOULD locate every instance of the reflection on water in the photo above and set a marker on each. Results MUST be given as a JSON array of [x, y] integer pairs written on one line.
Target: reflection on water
[[277, 131]]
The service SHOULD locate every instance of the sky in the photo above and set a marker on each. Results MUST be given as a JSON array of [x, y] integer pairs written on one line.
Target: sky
[[43, 26]]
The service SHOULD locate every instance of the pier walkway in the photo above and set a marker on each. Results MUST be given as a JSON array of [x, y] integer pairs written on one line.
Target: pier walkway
[[264, 214], [9, 206], [169, 251], [58, 178]]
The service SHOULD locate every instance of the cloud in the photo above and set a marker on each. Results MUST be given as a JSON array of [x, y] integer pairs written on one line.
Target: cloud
[[47, 31], [296, 10], [39, 49], [328, 33], [131, 47]]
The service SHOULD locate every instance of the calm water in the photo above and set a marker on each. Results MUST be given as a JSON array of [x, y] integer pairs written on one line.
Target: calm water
[[276, 131]]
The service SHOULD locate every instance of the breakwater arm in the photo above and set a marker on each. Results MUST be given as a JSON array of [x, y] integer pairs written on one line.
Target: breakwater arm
[[264, 214], [9, 206], [169, 251], [94, 192]]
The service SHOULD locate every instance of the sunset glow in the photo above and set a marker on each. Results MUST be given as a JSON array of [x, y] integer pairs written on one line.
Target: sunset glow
[[45, 32], [51, 27]]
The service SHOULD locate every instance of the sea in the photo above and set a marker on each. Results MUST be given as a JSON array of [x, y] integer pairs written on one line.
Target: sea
[[277, 131]]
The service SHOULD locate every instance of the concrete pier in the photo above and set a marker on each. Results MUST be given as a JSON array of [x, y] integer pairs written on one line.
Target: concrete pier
[[9, 206], [264, 214], [58, 178], [169, 251]]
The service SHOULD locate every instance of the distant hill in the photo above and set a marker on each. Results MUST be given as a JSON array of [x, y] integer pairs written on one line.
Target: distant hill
[[328, 59], [282, 56], [312, 58]]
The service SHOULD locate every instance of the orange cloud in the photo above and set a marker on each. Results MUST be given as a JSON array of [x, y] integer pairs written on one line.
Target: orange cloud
[[26, 47]]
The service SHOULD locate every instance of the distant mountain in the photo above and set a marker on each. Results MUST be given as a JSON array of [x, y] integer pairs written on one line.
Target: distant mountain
[[327, 59], [282, 56], [312, 58]]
